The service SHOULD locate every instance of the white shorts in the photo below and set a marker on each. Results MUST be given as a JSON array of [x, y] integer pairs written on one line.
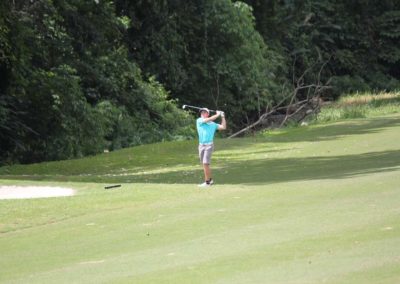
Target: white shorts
[[205, 152]]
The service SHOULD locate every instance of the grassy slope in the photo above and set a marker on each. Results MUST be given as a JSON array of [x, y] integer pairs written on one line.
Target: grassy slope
[[306, 205]]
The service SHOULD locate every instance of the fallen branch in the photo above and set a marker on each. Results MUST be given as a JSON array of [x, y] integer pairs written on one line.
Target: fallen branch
[[300, 105], [266, 115]]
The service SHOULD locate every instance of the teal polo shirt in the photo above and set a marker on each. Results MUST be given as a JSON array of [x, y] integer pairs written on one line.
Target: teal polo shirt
[[206, 131]]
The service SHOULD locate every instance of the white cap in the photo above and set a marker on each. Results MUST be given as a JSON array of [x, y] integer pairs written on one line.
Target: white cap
[[204, 109]]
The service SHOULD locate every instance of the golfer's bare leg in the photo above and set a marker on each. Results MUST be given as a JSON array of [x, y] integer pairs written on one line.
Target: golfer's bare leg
[[207, 172]]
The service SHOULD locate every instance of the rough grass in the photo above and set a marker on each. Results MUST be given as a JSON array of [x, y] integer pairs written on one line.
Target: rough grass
[[303, 205], [361, 106]]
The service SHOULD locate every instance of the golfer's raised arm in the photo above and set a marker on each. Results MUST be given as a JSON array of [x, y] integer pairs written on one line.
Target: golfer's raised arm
[[211, 118], [222, 126]]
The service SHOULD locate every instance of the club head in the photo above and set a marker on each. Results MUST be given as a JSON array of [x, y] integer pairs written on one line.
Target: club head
[[184, 106]]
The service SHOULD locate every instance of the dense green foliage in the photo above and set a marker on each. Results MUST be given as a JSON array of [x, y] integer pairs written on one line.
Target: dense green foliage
[[78, 77], [206, 53], [358, 38], [69, 88]]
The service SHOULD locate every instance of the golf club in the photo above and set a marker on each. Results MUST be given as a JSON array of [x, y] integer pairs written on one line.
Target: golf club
[[112, 186], [194, 107]]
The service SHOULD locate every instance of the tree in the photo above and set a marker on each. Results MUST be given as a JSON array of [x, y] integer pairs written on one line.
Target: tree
[[359, 37], [70, 88], [207, 53]]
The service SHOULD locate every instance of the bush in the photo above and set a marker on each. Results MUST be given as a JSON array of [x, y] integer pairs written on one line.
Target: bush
[[381, 81], [348, 85]]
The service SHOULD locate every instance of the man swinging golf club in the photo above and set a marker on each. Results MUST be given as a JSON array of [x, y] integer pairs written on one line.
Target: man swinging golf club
[[206, 128]]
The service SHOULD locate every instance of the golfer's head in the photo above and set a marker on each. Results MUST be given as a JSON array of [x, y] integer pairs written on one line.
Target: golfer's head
[[204, 112]]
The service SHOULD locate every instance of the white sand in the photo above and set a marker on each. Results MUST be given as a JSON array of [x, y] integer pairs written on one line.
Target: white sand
[[22, 192]]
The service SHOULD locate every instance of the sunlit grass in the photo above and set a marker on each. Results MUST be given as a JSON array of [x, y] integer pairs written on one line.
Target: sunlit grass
[[360, 106], [369, 98], [321, 199]]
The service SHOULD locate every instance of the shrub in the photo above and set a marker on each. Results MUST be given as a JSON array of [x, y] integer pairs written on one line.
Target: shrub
[[348, 85]]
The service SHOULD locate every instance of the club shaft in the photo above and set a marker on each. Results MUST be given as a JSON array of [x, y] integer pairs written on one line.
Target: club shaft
[[194, 107], [187, 106]]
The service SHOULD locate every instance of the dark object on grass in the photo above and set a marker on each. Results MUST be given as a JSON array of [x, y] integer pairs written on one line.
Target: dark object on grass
[[112, 186]]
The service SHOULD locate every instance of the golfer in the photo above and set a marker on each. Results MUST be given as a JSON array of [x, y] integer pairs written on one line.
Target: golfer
[[206, 128]]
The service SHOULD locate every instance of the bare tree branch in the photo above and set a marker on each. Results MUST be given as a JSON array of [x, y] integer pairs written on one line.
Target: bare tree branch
[[312, 100]]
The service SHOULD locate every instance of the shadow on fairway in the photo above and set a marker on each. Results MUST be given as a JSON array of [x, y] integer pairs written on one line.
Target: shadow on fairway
[[265, 171], [336, 130], [261, 144], [237, 161], [309, 168]]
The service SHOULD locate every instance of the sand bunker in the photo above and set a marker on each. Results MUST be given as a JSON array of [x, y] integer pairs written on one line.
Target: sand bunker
[[22, 192]]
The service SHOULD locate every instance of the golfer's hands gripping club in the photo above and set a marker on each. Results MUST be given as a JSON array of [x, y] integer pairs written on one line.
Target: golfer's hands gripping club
[[220, 113]]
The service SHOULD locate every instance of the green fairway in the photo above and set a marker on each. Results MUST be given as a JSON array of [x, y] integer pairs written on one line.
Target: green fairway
[[317, 204]]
